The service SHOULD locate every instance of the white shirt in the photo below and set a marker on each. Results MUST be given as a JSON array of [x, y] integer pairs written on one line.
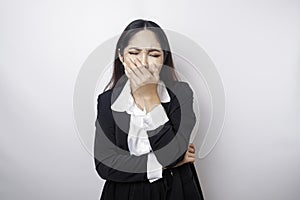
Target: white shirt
[[140, 121]]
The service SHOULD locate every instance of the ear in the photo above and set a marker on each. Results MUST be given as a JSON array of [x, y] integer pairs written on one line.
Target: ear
[[120, 56]]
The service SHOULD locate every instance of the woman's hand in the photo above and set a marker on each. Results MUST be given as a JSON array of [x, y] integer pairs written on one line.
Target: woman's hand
[[143, 82], [188, 157]]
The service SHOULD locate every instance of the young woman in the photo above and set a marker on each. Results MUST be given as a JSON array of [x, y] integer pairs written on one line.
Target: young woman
[[144, 122]]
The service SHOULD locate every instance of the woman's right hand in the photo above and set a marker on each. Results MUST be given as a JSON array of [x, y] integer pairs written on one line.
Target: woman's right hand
[[188, 157], [141, 76]]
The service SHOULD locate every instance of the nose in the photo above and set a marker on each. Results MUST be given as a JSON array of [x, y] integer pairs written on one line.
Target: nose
[[144, 58]]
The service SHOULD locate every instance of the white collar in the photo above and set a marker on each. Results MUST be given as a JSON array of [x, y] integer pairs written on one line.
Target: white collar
[[125, 101]]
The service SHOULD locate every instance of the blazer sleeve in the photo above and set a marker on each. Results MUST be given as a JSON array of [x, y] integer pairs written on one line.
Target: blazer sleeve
[[170, 141], [111, 162]]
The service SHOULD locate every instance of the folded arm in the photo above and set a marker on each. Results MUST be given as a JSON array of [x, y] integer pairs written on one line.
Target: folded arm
[[169, 140]]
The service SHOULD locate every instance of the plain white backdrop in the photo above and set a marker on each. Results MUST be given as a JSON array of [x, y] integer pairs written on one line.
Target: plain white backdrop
[[254, 44]]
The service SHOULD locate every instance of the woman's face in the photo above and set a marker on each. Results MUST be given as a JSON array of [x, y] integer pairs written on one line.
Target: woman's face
[[144, 46]]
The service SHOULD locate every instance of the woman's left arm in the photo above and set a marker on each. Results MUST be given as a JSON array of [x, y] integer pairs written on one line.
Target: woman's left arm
[[170, 140]]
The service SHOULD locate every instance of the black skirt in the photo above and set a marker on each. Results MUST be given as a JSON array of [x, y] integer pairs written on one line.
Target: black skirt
[[179, 183]]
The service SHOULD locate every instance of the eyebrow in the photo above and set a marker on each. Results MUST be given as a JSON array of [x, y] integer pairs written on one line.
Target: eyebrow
[[150, 50]]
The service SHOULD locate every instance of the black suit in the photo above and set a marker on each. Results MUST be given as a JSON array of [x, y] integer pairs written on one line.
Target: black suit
[[169, 142]]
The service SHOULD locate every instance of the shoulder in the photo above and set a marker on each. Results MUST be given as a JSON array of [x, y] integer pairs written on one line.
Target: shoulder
[[184, 86], [104, 95], [104, 100]]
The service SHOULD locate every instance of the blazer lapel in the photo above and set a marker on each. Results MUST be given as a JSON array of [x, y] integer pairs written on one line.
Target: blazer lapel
[[122, 125], [122, 119]]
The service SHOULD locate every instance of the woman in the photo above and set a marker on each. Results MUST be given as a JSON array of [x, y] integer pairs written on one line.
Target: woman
[[144, 123]]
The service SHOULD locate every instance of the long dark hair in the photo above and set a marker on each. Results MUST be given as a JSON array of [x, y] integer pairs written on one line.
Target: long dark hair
[[167, 73]]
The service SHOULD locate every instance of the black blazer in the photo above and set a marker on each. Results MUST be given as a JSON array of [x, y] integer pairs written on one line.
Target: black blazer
[[169, 142]]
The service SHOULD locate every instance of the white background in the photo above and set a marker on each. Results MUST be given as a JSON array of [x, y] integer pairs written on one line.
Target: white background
[[254, 44]]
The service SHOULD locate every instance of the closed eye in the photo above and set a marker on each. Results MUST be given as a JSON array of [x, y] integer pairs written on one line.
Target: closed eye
[[134, 53]]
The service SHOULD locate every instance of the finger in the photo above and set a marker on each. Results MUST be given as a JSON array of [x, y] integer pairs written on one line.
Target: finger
[[126, 69], [138, 64], [129, 73], [191, 154], [191, 160], [191, 150], [131, 70], [192, 145], [186, 155], [145, 75], [142, 68], [130, 65], [136, 67]]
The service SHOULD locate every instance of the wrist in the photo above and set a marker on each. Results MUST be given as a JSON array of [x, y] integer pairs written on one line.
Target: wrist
[[151, 102], [146, 91]]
